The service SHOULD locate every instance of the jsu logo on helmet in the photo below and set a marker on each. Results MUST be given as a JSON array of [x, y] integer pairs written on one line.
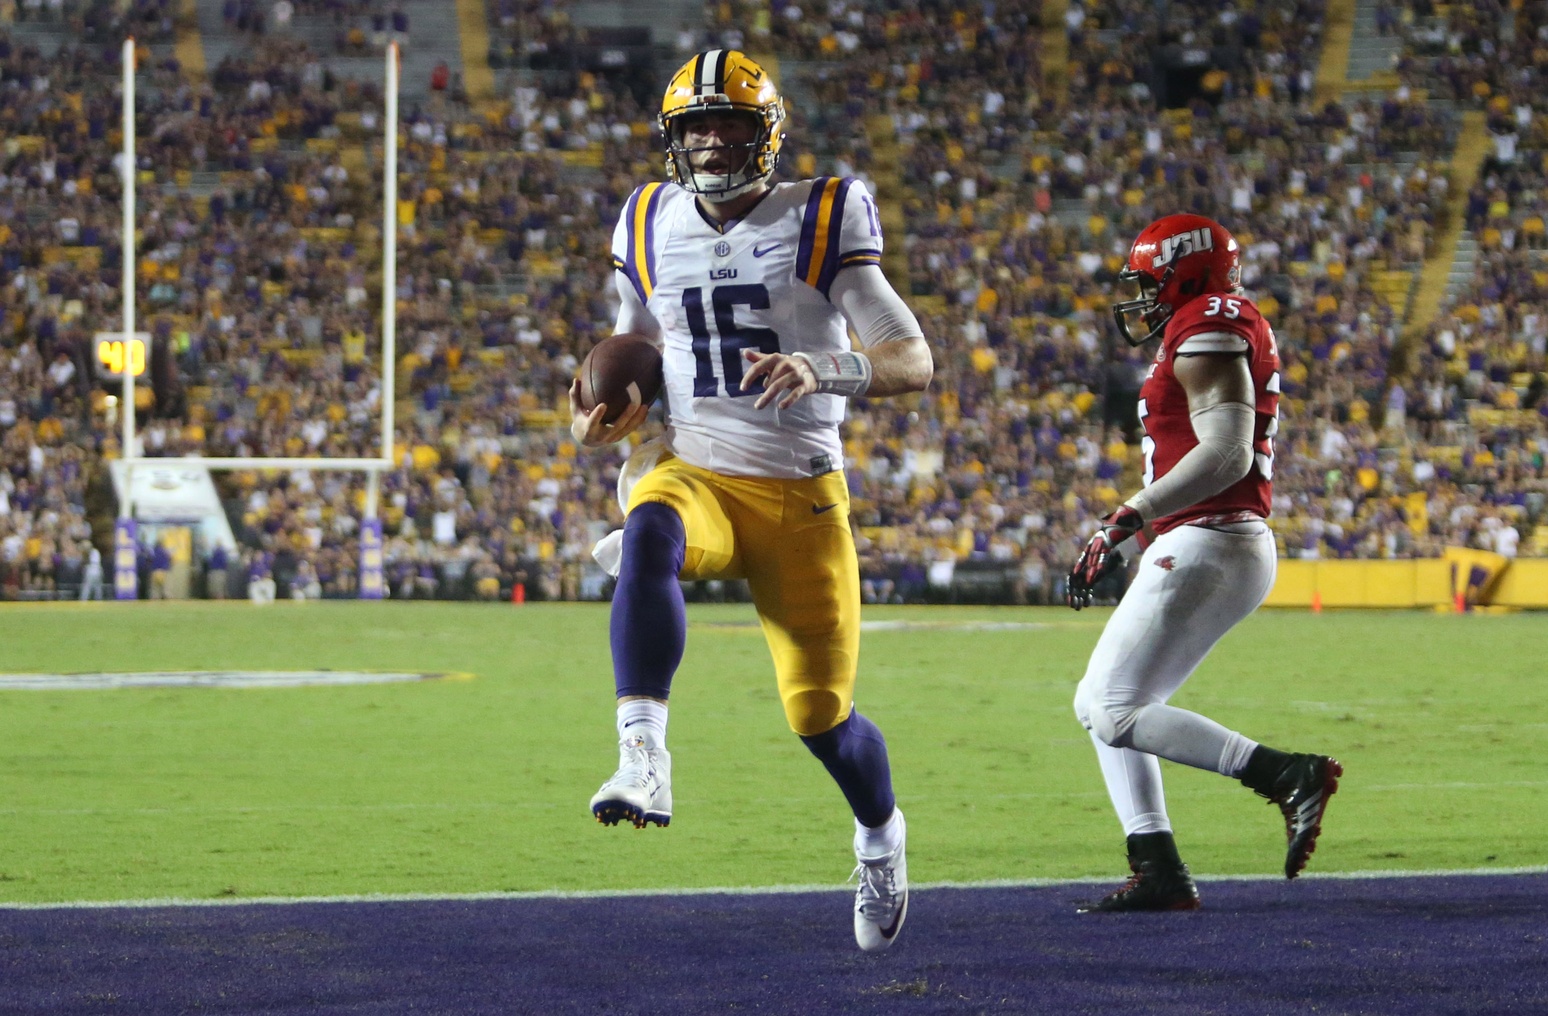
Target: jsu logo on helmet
[[1194, 241]]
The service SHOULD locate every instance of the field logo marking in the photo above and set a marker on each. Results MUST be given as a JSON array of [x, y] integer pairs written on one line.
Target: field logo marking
[[217, 679]]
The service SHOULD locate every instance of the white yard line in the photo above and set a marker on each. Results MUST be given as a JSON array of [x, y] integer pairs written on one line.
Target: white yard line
[[444, 806], [592, 894], [112, 681]]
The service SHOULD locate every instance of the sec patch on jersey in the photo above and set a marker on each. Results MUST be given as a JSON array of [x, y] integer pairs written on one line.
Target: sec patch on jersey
[[622, 370]]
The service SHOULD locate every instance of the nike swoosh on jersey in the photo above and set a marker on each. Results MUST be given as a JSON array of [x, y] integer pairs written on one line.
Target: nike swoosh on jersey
[[818, 509], [758, 252]]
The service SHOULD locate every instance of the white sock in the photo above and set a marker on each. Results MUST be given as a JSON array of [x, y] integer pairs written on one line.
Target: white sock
[[882, 840], [1134, 786], [645, 717], [1179, 736], [1234, 756]]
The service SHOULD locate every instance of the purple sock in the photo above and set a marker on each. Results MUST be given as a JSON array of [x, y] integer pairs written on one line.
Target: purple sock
[[856, 756], [649, 625]]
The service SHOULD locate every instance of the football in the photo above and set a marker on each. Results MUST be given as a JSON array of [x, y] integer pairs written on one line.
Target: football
[[622, 370]]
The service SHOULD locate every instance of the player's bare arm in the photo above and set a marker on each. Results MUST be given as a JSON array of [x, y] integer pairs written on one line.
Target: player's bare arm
[[896, 359], [1211, 378]]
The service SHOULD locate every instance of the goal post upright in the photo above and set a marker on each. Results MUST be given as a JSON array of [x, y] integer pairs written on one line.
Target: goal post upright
[[125, 557], [390, 253], [128, 255], [372, 578]]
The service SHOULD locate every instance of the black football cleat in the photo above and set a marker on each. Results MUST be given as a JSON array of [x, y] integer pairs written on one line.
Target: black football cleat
[[1160, 880], [1155, 885], [1302, 793]]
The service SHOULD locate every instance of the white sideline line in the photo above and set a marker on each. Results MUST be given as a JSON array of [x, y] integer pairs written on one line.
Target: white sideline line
[[773, 890], [389, 806], [115, 681]]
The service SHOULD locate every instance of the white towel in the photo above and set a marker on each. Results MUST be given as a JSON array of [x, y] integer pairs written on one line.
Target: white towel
[[608, 551]]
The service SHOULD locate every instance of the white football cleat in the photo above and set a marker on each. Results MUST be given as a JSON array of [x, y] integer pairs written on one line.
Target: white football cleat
[[881, 902], [640, 791]]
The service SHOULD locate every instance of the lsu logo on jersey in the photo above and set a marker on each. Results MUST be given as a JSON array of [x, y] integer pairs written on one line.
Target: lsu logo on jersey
[[1194, 241]]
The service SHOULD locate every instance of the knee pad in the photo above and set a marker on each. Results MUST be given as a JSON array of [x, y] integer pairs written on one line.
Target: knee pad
[[814, 711], [1105, 726], [1111, 722], [1082, 704], [1115, 726]]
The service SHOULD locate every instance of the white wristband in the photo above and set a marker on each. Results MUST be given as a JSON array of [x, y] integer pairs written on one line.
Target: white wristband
[[847, 374]]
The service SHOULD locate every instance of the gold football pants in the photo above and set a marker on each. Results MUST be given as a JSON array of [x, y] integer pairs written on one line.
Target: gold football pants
[[790, 540]]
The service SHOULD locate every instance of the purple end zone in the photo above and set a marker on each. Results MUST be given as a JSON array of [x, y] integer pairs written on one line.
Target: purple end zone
[[1456, 944]]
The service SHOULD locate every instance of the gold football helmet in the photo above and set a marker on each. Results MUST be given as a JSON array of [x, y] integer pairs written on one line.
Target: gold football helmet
[[719, 81]]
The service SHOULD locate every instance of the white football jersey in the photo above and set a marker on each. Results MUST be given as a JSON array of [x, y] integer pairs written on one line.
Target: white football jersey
[[762, 284]]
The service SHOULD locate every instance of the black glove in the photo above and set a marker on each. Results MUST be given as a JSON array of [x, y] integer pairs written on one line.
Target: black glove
[[1100, 558]]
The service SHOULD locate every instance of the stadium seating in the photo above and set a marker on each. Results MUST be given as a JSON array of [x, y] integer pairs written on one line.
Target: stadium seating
[[259, 267]]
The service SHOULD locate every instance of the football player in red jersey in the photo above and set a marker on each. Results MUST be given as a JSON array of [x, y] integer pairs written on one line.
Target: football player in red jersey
[[1209, 406]]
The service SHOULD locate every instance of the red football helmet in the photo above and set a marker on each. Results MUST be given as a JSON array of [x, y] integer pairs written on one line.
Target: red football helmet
[[1174, 260]]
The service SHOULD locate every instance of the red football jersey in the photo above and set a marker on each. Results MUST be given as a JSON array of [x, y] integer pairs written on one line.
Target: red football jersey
[[1217, 322]]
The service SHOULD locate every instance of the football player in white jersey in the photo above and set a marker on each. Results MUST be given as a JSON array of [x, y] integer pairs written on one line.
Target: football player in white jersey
[[751, 289]]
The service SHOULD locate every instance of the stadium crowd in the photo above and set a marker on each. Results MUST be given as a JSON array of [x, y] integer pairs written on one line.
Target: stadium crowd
[[259, 272]]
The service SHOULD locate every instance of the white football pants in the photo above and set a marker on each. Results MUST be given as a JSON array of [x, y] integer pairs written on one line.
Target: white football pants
[[1192, 586]]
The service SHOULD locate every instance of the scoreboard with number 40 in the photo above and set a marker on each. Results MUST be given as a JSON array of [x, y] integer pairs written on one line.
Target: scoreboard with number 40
[[111, 355]]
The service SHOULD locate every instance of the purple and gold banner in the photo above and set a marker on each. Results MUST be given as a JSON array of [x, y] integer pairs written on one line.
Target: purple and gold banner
[[126, 576], [371, 586]]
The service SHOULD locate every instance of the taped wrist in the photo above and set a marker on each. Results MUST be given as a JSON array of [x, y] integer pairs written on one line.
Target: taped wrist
[[847, 374]]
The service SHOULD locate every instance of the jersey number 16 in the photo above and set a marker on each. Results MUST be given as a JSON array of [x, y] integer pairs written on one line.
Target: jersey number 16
[[730, 337]]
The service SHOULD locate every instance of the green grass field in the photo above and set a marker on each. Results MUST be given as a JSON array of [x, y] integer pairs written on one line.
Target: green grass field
[[456, 786]]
